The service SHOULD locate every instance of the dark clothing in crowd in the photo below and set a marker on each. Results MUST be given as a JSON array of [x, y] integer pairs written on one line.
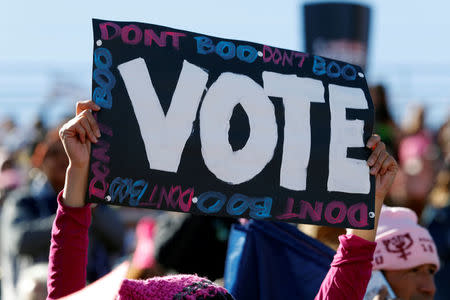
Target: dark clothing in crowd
[[193, 244], [440, 231], [106, 237], [27, 219]]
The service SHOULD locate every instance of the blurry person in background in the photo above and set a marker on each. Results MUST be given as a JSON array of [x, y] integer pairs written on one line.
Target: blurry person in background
[[10, 177], [32, 284], [385, 126], [180, 241], [438, 213], [106, 241], [417, 162], [414, 121], [38, 129], [443, 139], [143, 265], [439, 196], [7, 127], [327, 235], [439, 228], [28, 214], [418, 158], [406, 254]]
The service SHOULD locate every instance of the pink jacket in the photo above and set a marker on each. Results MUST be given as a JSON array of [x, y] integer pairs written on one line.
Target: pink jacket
[[350, 270], [347, 278], [68, 250]]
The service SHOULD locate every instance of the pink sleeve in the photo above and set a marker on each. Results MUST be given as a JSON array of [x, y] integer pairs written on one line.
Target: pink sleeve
[[68, 250], [350, 270]]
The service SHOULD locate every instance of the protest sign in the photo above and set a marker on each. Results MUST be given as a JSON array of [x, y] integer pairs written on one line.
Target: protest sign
[[205, 125]]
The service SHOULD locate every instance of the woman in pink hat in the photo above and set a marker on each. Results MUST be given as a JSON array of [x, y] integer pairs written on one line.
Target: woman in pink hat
[[406, 254]]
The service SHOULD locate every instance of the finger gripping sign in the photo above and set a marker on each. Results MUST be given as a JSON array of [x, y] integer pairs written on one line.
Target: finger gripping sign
[[205, 125]]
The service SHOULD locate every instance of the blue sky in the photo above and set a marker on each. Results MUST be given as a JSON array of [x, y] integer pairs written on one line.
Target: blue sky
[[407, 37], [59, 31]]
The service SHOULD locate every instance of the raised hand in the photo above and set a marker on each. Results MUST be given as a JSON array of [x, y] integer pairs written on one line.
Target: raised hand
[[78, 134], [383, 166]]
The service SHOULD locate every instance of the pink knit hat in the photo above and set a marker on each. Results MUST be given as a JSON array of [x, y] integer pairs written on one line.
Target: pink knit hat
[[174, 287], [177, 287], [401, 242]]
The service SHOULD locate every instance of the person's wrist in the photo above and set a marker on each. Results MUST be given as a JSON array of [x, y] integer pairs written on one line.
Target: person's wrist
[[78, 166], [75, 185], [379, 197], [379, 200], [367, 234], [370, 234]]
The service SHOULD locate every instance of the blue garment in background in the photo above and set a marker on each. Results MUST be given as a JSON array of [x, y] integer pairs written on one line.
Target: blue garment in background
[[439, 229], [274, 260]]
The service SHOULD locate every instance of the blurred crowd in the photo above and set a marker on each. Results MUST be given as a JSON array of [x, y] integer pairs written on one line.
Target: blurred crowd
[[423, 181], [32, 173], [33, 169]]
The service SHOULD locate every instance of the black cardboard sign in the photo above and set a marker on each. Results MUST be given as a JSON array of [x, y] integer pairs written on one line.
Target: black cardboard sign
[[205, 125]]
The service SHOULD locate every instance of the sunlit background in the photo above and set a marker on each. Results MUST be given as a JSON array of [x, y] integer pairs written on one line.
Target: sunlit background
[[46, 46], [46, 64]]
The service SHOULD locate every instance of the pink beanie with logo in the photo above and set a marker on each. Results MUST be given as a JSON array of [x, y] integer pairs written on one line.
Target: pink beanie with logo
[[401, 242]]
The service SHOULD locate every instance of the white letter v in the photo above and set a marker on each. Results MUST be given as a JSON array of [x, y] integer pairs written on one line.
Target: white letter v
[[164, 135]]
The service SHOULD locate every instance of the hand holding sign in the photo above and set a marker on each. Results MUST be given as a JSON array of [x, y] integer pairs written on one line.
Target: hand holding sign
[[77, 136], [204, 125], [383, 166], [78, 133]]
